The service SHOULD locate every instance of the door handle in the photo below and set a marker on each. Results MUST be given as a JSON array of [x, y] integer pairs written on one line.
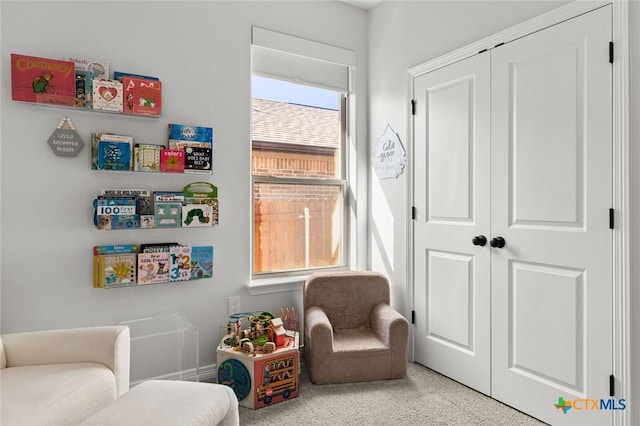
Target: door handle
[[497, 242], [479, 240]]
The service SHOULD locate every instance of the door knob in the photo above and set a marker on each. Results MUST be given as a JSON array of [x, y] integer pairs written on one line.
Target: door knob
[[498, 242], [479, 240]]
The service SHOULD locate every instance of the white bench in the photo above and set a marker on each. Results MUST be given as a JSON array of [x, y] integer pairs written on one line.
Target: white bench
[[171, 403]]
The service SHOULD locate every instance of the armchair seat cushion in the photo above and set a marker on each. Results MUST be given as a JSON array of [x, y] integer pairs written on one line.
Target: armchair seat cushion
[[357, 341], [39, 393]]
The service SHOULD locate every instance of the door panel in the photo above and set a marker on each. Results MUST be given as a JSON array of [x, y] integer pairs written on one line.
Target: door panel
[[551, 194], [452, 294]]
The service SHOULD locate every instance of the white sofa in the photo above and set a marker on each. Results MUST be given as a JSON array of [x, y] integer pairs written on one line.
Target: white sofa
[[61, 377]]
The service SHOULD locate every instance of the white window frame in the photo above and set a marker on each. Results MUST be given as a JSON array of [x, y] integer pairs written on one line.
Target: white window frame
[[267, 45]]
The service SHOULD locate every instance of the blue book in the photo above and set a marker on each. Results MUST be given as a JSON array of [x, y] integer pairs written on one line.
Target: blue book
[[201, 262], [114, 155]]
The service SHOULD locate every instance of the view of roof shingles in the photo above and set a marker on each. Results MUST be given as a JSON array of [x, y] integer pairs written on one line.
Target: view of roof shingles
[[281, 122]]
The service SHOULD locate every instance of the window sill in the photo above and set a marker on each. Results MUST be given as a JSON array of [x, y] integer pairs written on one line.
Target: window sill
[[276, 285]]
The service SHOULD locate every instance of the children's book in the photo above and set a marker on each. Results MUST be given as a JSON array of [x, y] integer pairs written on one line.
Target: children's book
[[119, 156], [167, 214], [107, 95], [197, 160], [201, 262], [98, 68], [115, 270], [84, 89], [181, 132], [42, 80], [142, 96], [144, 205], [147, 157], [153, 268], [119, 75], [180, 263], [116, 212], [116, 249], [114, 155], [172, 161]]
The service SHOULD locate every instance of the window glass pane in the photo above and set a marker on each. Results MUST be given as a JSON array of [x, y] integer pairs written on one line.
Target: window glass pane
[[297, 226]]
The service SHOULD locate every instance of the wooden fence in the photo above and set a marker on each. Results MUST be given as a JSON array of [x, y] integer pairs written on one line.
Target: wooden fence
[[279, 234]]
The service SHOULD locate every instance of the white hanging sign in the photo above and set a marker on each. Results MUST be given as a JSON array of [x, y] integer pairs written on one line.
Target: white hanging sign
[[388, 156]]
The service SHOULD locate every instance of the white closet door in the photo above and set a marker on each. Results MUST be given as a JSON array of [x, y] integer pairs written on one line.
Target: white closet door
[[551, 174], [452, 200]]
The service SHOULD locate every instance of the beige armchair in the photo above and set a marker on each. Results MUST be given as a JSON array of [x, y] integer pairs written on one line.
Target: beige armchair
[[351, 332]]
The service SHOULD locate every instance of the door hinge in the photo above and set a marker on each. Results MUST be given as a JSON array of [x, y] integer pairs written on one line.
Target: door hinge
[[413, 318], [610, 52], [498, 45], [414, 213], [612, 385], [413, 107], [612, 218]]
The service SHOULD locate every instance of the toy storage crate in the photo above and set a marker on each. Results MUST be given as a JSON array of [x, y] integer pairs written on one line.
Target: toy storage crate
[[262, 379], [163, 347]]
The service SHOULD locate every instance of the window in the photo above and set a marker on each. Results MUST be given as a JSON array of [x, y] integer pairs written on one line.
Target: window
[[298, 133]]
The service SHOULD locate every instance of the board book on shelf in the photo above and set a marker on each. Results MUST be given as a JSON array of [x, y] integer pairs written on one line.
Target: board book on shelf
[[180, 263], [201, 262], [107, 95], [172, 161], [153, 267], [42, 80], [146, 157], [97, 67], [141, 95], [116, 212], [111, 152], [154, 263]]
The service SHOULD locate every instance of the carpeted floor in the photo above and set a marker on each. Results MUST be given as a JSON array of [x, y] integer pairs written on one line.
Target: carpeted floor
[[423, 398]]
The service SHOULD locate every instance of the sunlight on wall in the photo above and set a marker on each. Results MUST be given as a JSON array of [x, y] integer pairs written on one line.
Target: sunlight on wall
[[382, 228]]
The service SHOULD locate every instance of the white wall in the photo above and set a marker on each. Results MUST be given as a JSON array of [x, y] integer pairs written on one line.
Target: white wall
[[201, 52], [404, 34]]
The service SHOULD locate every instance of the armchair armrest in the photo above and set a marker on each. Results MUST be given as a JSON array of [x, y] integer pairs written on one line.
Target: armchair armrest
[[108, 345], [318, 329], [390, 326]]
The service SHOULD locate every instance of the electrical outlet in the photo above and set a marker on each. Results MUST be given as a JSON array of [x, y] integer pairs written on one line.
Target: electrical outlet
[[234, 305]]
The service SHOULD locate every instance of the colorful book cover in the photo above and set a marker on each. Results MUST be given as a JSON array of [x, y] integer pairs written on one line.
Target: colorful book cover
[[113, 155], [84, 89], [118, 75], [197, 160], [197, 215], [180, 263], [168, 196], [144, 204], [167, 214], [153, 268], [107, 95], [142, 96], [42, 80], [172, 161], [116, 270], [201, 262], [98, 68], [182, 132], [114, 212], [116, 249], [96, 138], [148, 158]]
